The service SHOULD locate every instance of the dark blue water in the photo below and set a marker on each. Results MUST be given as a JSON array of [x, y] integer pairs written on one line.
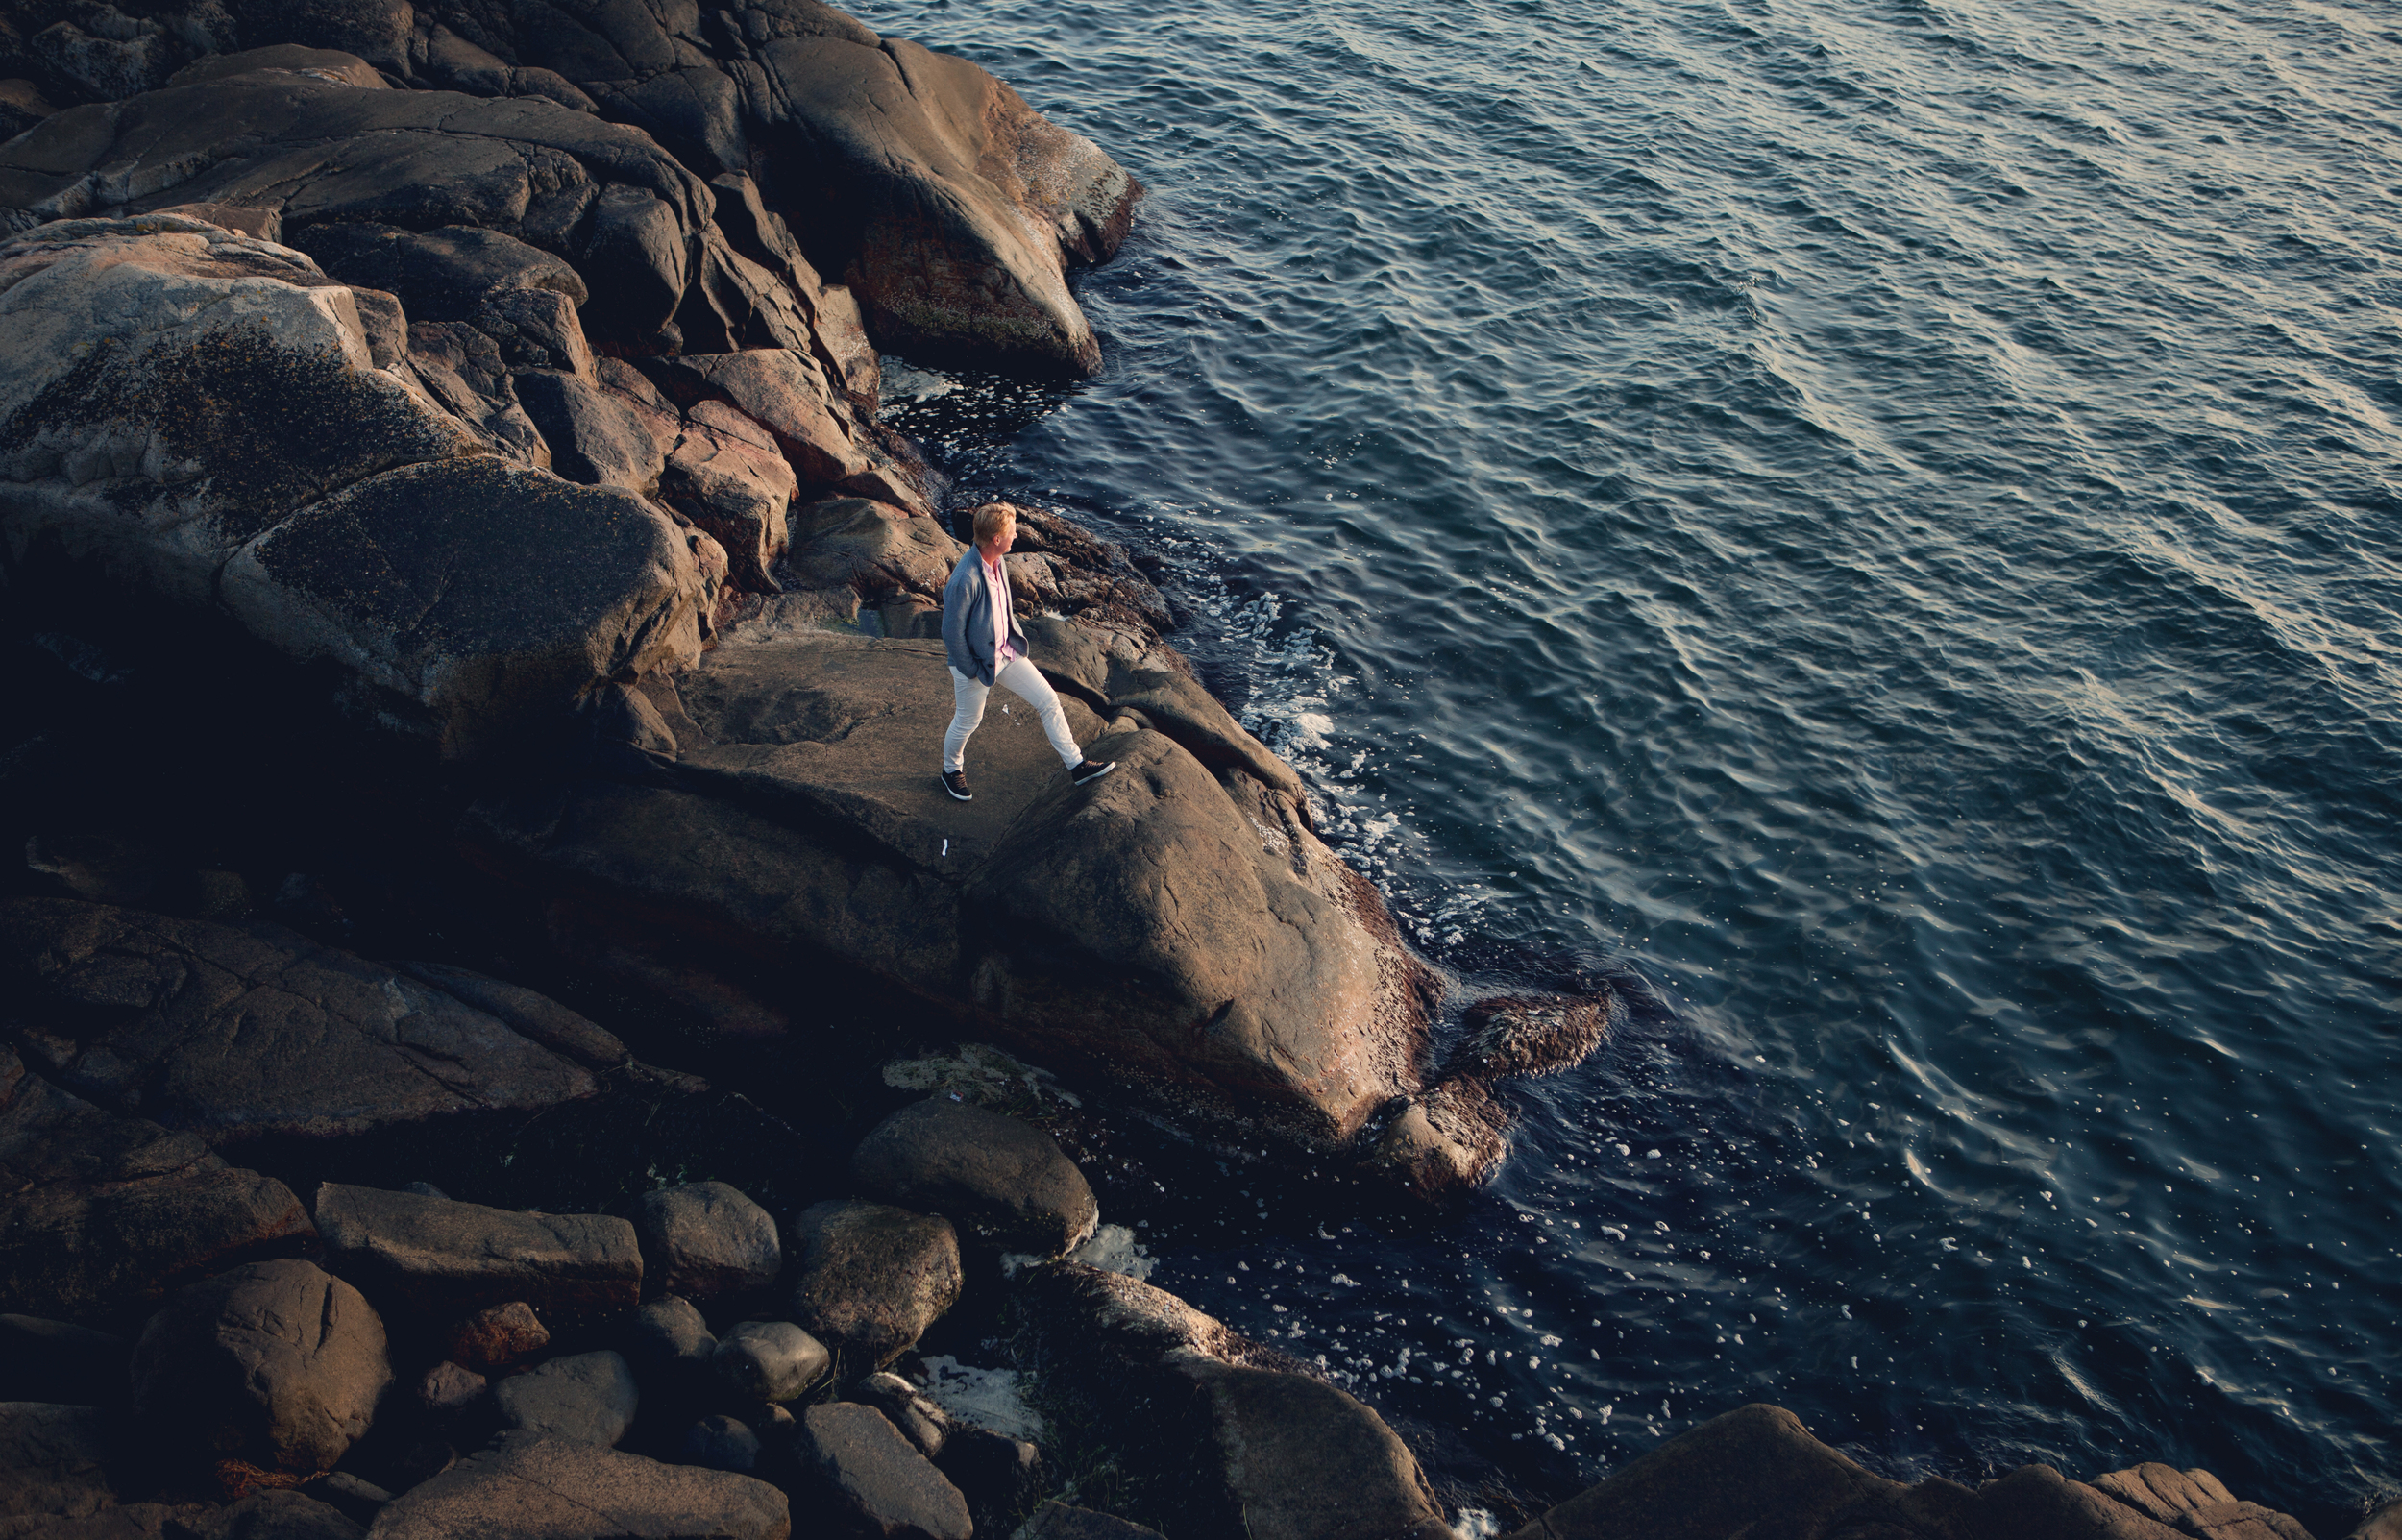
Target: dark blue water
[[1883, 520]]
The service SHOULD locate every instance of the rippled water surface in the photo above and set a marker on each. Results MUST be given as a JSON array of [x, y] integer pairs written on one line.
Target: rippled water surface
[[1879, 519]]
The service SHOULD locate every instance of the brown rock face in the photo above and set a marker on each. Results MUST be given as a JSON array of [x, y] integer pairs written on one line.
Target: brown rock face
[[444, 1258], [498, 1337], [100, 1215], [874, 1278], [998, 1177], [274, 1362], [705, 1241], [551, 1489], [877, 1478]]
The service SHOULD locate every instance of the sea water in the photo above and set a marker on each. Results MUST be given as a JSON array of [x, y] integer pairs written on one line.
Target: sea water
[[1879, 523]]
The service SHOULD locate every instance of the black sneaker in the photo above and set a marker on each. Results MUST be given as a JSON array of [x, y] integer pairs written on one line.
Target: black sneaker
[[1089, 772], [955, 782]]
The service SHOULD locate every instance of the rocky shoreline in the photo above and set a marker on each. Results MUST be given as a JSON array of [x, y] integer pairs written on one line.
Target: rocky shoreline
[[478, 645]]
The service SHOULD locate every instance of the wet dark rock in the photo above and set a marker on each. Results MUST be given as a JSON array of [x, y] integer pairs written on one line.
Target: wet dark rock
[[721, 1443], [706, 1241], [669, 1343], [877, 1478], [442, 1259], [586, 1398], [103, 1215], [552, 1489], [217, 1029], [999, 1178], [274, 1362], [56, 1361], [496, 1336], [767, 1360], [1055, 1520], [873, 1277], [1533, 1034], [1222, 1430], [447, 1389]]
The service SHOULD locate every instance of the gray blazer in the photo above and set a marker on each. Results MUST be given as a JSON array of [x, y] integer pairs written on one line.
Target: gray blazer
[[968, 620]]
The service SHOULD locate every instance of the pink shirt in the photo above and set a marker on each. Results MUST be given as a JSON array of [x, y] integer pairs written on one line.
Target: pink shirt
[[996, 586]]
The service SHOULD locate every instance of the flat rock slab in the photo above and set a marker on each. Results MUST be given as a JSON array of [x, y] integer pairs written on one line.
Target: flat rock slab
[[446, 1259], [276, 1363], [851, 729], [102, 1216], [878, 1477], [533, 1488], [1000, 1179], [214, 1029], [586, 1398]]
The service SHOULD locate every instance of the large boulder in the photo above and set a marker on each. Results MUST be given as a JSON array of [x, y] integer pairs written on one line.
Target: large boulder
[[1164, 929], [275, 1363], [585, 1398], [211, 1028], [876, 1478], [873, 1277], [551, 1489], [195, 419], [103, 1215], [1000, 1179], [706, 1241], [445, 1258], [1229, 1437]]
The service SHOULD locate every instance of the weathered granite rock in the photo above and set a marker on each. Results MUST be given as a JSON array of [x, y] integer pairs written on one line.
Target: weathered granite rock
[[999, 1178], [2385, 1523], [706, 1241], [58, 1459], [498, 1337], [670, 1345], [1055, 1520], [441, 1257], [877, 1478], [101, 1215], [275, 1363], [535, 1017], [2196, 1503], [721, 1443], [2036, 1500], [870, 547], [726, 474], [767, 1360], [151, 454], [214, 1029], [874, 1278], [54, 1361], [447, 1389], [22, 104], [586, 1398], [550, 1489], [1252, 1448]]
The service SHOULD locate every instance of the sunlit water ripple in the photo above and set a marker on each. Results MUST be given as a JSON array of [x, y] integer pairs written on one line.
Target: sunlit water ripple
[[1879, 520]]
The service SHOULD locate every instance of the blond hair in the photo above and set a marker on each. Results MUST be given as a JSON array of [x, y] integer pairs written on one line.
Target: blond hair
[[990, 517]]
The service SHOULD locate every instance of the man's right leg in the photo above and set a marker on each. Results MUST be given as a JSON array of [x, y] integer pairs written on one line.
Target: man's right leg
[[966, 714]]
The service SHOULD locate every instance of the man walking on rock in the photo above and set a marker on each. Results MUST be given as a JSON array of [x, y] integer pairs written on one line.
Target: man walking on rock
[[983, 643]]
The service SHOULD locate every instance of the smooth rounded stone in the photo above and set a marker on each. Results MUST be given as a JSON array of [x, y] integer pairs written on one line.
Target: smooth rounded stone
[[669, 1340], [878, 1477], [721, 1443], [56, 1459], [276, 1363], [769, 1360], [550, 1489], [586, 1398], [54, 1361], [498, 1337], [1533, 1034], [444, 1258], [920, 1420], [707, 1242], [449, 1388], [999, 1178], [874, 1278], [1055, 1520]]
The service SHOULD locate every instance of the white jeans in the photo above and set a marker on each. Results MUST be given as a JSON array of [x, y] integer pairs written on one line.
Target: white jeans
[[1035, 690]]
